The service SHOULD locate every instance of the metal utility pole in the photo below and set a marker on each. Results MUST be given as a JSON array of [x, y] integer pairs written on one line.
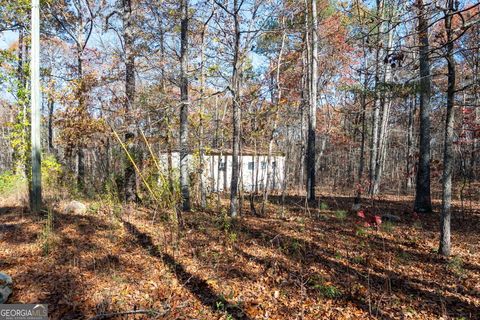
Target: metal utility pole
[[36, 185]]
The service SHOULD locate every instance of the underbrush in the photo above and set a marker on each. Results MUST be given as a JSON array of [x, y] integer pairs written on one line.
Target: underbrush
[[304, 267], [10, 182], [47, 237]]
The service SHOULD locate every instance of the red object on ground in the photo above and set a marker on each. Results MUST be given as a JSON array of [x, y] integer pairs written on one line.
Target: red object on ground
[[369, 220]]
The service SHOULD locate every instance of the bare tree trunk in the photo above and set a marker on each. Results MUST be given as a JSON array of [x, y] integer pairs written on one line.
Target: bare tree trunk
[[168, 137], [474, 159], [411, 118], [448, 156], [378, 103], [184, 179], [107, 163], [216, 180], [374, 145], [361, 162], [21, 56], [51, 105], [80, 167], [235, 113], [130, 179], [203, 184], [305, 101], [385, 105], [169, 159], [23, 167], [285, 174], [423, 202], [257, 166], [382, 147], [275, 120], [312, 112]]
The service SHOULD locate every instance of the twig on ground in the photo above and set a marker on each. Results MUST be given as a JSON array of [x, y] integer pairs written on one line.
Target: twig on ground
[[123, 313]]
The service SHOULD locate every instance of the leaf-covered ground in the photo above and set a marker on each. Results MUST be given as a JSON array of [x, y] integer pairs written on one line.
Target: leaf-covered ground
[[318, 263]]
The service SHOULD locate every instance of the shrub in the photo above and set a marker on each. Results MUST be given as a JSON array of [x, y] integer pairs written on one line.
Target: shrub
[[9, 182], [404, 256], [323, 206], [388, 226], [47, 239], [358, 259], [329, 291], [456, 266], [325, 289], [232, 238], [51, 171], [341, 214], [361, 232]]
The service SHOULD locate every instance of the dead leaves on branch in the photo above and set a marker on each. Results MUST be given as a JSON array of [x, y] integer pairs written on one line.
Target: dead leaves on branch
[[80, 129]]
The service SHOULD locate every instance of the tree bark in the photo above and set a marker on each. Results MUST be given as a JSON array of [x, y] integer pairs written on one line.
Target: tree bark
[[312, 112], [423, 202], [184, 179], [385, 105], [411, 118], [301, 174], [203, 183], [235, 113], [51, 105], [21, 158], [361, 161], [80, 156], [376, 106], [130, 178], [448, 156], [278, 97]]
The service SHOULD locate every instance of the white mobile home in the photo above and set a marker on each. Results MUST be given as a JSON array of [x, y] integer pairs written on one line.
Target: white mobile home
[[253, 169]]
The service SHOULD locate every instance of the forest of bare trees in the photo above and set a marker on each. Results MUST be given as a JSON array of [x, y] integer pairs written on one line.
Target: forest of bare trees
[[339, 139]]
